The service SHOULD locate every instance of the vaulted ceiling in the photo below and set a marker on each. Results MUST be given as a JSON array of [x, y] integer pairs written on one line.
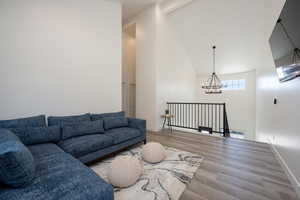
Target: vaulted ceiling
[[236, 27]]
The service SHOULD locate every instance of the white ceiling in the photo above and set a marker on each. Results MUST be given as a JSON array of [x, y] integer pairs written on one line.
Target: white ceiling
[[131, 8], [236, 27]]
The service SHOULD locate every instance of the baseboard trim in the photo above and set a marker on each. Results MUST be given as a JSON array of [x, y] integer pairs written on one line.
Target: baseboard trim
[[294, 181]]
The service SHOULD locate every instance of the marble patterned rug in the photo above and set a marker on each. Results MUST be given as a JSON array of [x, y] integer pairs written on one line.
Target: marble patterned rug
[[162, 181]]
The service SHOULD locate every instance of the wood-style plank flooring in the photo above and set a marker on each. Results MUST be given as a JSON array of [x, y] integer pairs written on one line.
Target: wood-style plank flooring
[[232, 169]]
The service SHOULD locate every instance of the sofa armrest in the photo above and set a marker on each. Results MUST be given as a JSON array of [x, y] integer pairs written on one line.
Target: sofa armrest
[[138, 124]]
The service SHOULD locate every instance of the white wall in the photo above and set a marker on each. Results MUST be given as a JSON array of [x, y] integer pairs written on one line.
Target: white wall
[[240, 104], [146, 67], [59, 57], [163, 70], [278, 124], [176, 77]]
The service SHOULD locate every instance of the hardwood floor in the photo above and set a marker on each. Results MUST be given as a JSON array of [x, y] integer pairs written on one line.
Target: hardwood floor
[[232, 169]]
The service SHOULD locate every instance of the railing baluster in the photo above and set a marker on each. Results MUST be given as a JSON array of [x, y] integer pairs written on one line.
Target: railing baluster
[[208, 117], [198, 117], [195, 116], [205, 115], [185, 114], [182, 114], [192, 117], [180, 108], [170, 111], [191, 114], [182, 117], [175, 114], [216, 117], [212, 116], [188, 115], [219, 118], [201, 116]]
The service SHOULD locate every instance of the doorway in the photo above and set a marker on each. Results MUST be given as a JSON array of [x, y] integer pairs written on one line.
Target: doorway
[[129, 70]]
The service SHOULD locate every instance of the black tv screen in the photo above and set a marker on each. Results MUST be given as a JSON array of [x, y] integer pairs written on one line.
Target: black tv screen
[[285, 41]]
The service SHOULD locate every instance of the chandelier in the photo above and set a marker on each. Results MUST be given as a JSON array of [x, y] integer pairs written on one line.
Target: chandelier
[[213, 85]]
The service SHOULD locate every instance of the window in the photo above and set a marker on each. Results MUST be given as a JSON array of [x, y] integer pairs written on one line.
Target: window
[[234, 84]]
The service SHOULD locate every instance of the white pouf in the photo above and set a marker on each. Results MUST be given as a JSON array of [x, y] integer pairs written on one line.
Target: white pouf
[[124, 171], [153, 152]]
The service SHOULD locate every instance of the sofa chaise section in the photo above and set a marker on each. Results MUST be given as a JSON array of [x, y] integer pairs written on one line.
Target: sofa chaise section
[[59, 176]]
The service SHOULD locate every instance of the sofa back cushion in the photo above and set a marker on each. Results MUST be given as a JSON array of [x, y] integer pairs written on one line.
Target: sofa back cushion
[[17, 168], [36, 121], [115, 122], [81, 128], [105, 115], [58, 120], [38, 135]]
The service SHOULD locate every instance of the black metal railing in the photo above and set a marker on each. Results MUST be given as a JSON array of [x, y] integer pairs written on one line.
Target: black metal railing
[[210, 117]]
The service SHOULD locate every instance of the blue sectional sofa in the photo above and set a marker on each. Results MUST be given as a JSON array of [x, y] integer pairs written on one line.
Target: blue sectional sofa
[[47, 162]]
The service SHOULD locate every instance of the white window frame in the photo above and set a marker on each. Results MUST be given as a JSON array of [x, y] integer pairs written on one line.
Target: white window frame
[[234, 84]]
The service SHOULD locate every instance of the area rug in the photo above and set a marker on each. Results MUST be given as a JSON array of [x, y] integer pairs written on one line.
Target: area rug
[[163, 181]]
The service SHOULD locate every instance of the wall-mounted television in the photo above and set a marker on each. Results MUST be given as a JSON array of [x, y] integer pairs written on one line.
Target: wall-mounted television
[[285, 42]]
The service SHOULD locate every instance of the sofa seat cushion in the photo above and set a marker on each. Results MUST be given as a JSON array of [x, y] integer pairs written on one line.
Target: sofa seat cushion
[[82, 145], [123, 134], [44, 150], [59, 176]]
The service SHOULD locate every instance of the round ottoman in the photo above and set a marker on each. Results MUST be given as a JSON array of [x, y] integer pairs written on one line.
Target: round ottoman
[[124, 171], [153, 152]]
